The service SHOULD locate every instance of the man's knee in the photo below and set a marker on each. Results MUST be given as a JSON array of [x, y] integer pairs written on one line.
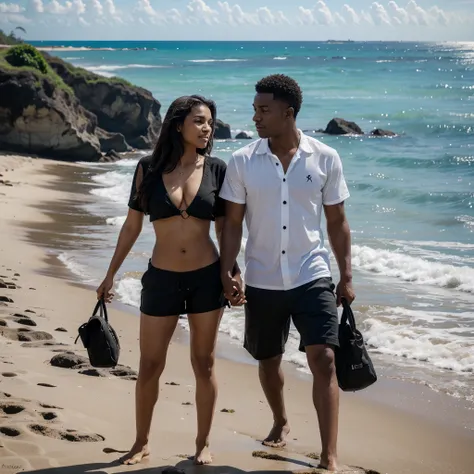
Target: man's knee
[[321, 361], [270, 366]]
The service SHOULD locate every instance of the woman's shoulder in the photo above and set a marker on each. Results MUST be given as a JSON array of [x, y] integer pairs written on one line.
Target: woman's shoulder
[[216, 163], [145, 161]]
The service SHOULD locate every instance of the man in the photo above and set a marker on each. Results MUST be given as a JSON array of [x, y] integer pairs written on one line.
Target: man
[[280, 184]]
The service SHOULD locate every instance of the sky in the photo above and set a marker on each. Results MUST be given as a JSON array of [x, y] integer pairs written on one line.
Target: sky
[[405, 20]]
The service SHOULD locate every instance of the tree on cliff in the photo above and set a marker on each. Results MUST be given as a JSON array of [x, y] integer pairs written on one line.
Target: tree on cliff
[[12, 38]]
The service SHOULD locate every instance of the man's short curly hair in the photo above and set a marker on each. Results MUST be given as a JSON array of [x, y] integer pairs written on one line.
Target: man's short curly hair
[[283, 88]]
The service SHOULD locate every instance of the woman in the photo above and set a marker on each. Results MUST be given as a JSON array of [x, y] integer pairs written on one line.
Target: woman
[[178, 187]]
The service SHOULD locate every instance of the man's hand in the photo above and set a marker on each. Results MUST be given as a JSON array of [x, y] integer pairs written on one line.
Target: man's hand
[[234, 289], [344, 290]]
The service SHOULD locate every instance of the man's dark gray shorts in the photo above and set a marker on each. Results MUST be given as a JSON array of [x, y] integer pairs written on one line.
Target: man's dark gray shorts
[[312, 307]]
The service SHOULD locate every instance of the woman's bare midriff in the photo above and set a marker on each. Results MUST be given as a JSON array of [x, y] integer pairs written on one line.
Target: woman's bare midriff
[[183, 245]]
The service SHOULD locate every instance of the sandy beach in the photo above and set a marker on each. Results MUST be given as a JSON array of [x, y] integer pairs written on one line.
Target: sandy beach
[[56, 420]]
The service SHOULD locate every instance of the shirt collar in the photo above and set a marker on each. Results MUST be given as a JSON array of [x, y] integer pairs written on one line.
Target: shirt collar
[[264, 149]]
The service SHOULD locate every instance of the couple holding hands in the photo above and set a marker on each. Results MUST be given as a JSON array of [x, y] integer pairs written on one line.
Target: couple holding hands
[[280, 184]]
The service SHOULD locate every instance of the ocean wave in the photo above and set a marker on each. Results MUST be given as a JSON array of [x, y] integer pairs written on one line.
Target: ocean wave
[[412, 269], [400, 332], [226, 60], [117, 67]]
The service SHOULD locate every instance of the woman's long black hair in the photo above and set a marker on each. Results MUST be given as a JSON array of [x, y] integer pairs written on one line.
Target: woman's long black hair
[[170, 145]]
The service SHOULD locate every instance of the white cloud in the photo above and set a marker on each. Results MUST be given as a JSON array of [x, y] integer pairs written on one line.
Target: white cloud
[[380, 15], [79, 7], [351, 14], [10, 8], [56, 8], [395, 14], [200, 11], [37, 5], [97, 7], [324, 14]]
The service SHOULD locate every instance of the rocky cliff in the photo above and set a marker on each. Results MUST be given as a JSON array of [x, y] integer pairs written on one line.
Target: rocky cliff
[[120, 107], [38, 117], [49, 107]]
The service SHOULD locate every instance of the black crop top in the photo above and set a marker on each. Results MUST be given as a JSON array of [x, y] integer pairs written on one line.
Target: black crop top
[[206, 205]]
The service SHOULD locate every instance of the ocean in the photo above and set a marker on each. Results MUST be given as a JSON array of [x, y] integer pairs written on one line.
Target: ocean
[[411, 209]]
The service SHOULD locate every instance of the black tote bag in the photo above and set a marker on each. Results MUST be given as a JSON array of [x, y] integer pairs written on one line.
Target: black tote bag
[[100, 339], [354, 367]]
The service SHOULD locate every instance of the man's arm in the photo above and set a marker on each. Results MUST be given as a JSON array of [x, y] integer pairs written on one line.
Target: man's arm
[[231, 238], [339, 235], [219, 226]]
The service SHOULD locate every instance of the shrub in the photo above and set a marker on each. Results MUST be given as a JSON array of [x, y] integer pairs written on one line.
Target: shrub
[[26, 55]]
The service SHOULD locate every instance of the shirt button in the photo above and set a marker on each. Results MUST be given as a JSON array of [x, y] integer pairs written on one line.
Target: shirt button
[[278, 164], [283, 251], [284, 227], [284, 180], [284, 202]]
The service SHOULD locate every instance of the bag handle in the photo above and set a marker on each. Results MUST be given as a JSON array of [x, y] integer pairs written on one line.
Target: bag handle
[[348, 315], [102, 309]]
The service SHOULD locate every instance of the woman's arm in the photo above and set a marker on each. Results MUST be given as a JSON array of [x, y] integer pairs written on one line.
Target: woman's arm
[[128, 235]]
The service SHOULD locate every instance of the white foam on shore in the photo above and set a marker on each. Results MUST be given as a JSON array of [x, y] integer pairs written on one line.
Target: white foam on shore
[[75, 267], [439, 339], [411, 269], [227, 60]]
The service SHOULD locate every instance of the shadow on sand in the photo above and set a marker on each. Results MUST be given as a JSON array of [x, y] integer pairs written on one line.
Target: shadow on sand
[[182, 467]]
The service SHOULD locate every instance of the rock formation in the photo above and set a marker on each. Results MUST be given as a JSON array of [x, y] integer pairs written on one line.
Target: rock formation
[[57, 110], [339, 126], [222, 130], [38, 117], [120, 107]]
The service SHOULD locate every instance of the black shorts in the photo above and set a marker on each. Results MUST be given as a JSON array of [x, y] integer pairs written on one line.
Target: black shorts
[[312, 307], [167, 293]]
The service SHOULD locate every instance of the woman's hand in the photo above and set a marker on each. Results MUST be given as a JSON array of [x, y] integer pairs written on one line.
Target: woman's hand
[[104, 290]]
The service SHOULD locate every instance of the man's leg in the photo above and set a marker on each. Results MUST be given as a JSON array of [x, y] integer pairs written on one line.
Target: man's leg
[[267, 322], [272, 381], [326, 400], [315, 316]]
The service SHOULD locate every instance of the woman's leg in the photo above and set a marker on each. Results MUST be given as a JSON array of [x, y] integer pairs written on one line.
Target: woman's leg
[[204, 327], [155, 336]]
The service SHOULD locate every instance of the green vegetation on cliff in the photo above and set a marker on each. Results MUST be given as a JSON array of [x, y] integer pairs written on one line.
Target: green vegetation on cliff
[[9, 39], [45, 66], [27, 58]]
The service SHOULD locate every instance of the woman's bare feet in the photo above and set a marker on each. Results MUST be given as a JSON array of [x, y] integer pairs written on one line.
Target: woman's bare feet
[[136, 454], [277, 436], [203, 454]]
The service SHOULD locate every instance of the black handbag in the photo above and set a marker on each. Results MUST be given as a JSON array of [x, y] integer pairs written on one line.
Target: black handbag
[[100, 339], [354, 367]]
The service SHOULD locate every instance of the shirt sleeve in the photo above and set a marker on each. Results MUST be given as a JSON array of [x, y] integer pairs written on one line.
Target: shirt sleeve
[[133, 202], [233, 188], [219, 206], [335, 189]]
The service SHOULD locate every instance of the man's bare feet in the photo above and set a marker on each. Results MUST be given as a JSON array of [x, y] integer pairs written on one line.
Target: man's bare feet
[[203, 454], [136, 454], [328, 463], [277, 436]]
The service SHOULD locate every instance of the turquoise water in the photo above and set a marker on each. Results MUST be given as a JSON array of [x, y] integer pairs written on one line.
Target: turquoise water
[[412, 204]]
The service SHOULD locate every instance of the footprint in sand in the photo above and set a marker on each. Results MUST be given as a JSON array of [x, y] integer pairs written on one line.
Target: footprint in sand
[[11, 408], [24, 334], [9, 374], [67, 435], [22, 319], [9, 431], [48, 385]]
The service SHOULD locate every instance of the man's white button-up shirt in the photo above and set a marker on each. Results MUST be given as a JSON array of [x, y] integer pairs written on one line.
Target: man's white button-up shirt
[[285, 245]]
